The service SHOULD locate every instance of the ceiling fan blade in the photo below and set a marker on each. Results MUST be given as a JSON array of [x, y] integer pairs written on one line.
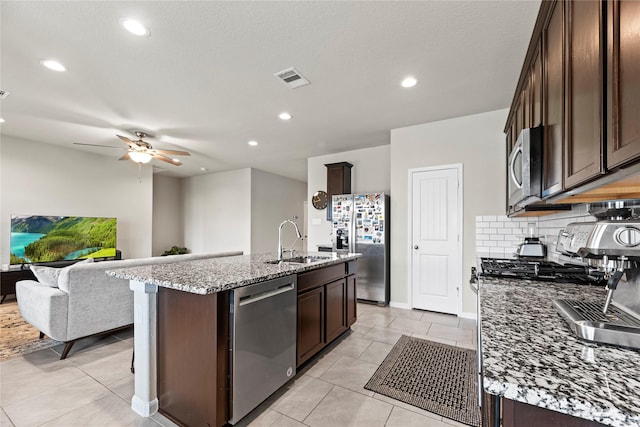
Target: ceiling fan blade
[[125, 157], [98, 145], [171, 152], [166, 159], [129, 142]]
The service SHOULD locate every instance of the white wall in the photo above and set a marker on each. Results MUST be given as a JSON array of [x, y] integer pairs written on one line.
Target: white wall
[[217, 212], [275, 198], [168, 227], [45, 179], [370, 173], [477, 142]]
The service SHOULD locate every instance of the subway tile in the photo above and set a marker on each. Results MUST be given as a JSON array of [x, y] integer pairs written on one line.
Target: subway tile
[[496, 224], [497, 237], [489, 218]]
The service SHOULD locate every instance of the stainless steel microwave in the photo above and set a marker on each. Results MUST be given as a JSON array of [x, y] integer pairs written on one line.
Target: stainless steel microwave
[[524, 169]]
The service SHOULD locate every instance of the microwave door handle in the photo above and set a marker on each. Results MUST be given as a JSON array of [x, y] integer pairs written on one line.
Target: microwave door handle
[[512, 165]]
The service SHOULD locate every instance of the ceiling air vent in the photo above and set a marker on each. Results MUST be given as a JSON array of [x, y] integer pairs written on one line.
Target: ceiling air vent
[[3, 94], [292, 78]]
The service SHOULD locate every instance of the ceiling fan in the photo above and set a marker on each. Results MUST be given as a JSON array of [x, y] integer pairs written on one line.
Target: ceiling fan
[[141, 151]]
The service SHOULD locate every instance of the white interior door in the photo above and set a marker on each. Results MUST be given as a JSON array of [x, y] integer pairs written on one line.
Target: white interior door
[[436, 261]]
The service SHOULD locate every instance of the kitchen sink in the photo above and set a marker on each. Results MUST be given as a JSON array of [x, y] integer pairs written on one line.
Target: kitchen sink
[[306, 259]]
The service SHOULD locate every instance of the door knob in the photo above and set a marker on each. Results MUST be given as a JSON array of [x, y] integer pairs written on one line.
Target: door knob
[[415, 247]]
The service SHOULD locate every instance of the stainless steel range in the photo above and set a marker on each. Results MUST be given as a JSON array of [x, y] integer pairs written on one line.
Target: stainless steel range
[[612, 248]]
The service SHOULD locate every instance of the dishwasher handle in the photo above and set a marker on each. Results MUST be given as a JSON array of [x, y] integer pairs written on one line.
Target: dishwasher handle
[[249, 299]]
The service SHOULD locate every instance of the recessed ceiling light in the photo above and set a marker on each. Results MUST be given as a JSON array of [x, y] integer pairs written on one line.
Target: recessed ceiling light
[[53, 65], [135, 27], [409, 82], [253, 143], [203, 169], [284, 116], [1, 120]]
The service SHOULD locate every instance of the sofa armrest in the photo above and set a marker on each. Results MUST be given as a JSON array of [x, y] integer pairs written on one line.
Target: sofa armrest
[[43, 307]]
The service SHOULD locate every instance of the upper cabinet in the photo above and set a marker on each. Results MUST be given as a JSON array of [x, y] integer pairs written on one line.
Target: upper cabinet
[[581, 81], [623, 83], [584, 104], [553, 101]]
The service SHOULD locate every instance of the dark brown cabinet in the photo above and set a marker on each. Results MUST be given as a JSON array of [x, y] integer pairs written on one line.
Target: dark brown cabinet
[[580, 81], [336, 309], [338, 181], [311, 323], [623, 84], [553, 101], [583, 158], [352, 302], [518, 414], [326, 307], [193, 363]]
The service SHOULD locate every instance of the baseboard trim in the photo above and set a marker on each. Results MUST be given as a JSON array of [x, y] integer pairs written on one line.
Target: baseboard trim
[[399, 305], [143, 408], [467, 315]]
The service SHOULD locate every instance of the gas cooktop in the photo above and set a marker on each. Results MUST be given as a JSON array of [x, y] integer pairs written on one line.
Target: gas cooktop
[[538, 269]]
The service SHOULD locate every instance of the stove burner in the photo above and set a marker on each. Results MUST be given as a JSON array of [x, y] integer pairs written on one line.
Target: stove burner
[[541, 270]]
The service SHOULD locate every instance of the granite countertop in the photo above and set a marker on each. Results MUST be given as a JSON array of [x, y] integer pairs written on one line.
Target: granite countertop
[[530, 355], [207, 276]]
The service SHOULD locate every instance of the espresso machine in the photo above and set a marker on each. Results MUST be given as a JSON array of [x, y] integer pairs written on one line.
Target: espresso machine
[[610, 246]]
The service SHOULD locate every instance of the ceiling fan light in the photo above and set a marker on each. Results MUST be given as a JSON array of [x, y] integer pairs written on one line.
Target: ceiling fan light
[[140, 157]]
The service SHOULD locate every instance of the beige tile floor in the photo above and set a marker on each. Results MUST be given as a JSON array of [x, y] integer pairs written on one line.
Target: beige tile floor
[[93, 387]]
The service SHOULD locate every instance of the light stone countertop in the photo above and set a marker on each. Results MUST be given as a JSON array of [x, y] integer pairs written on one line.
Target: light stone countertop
[[210, 275], [530, 355]]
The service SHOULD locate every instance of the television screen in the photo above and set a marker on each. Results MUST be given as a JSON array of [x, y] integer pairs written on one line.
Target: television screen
[[54, 238]]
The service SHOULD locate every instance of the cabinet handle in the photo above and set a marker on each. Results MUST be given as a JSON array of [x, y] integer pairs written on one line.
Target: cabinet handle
[[415, 247]]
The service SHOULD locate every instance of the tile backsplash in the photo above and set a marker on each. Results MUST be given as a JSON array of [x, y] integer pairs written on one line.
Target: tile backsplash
[[498, 235]]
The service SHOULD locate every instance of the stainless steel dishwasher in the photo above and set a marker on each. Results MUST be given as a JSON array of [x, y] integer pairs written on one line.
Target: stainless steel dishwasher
[[263, 342]]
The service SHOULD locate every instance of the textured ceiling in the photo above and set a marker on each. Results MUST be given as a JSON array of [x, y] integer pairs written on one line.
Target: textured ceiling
[[203, 81]]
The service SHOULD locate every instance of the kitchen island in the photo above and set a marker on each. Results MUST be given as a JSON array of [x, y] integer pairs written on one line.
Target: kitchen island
[[183, 343], [534, 362]]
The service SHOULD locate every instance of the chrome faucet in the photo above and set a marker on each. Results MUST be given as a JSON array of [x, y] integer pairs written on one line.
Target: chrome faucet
[[298, 235]]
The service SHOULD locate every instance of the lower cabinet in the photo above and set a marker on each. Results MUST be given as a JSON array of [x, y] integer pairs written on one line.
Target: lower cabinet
[[326, 307], [352, 303], [310, 323], [193, 357], [518, 414], [336, 309]]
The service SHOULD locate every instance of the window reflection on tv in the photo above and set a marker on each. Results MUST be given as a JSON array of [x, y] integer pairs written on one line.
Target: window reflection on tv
[[37, 239]]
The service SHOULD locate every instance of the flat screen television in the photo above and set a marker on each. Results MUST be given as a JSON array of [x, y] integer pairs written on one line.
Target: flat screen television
[[37, 239]]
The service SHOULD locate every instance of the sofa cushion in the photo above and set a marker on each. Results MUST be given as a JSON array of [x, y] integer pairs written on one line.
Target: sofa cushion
[[48, 276]]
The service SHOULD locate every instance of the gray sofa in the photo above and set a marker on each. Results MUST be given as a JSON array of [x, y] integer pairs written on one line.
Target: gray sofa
[[87, 301]]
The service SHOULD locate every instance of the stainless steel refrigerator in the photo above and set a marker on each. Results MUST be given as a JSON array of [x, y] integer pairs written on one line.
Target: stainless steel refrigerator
[[361, 224]]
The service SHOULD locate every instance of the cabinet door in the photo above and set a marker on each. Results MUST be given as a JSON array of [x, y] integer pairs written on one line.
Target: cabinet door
[[526, 104], [352, 303], [584, 119], [553, 101], [311, 321], [336, 309], [536, 88], [623, 68]]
